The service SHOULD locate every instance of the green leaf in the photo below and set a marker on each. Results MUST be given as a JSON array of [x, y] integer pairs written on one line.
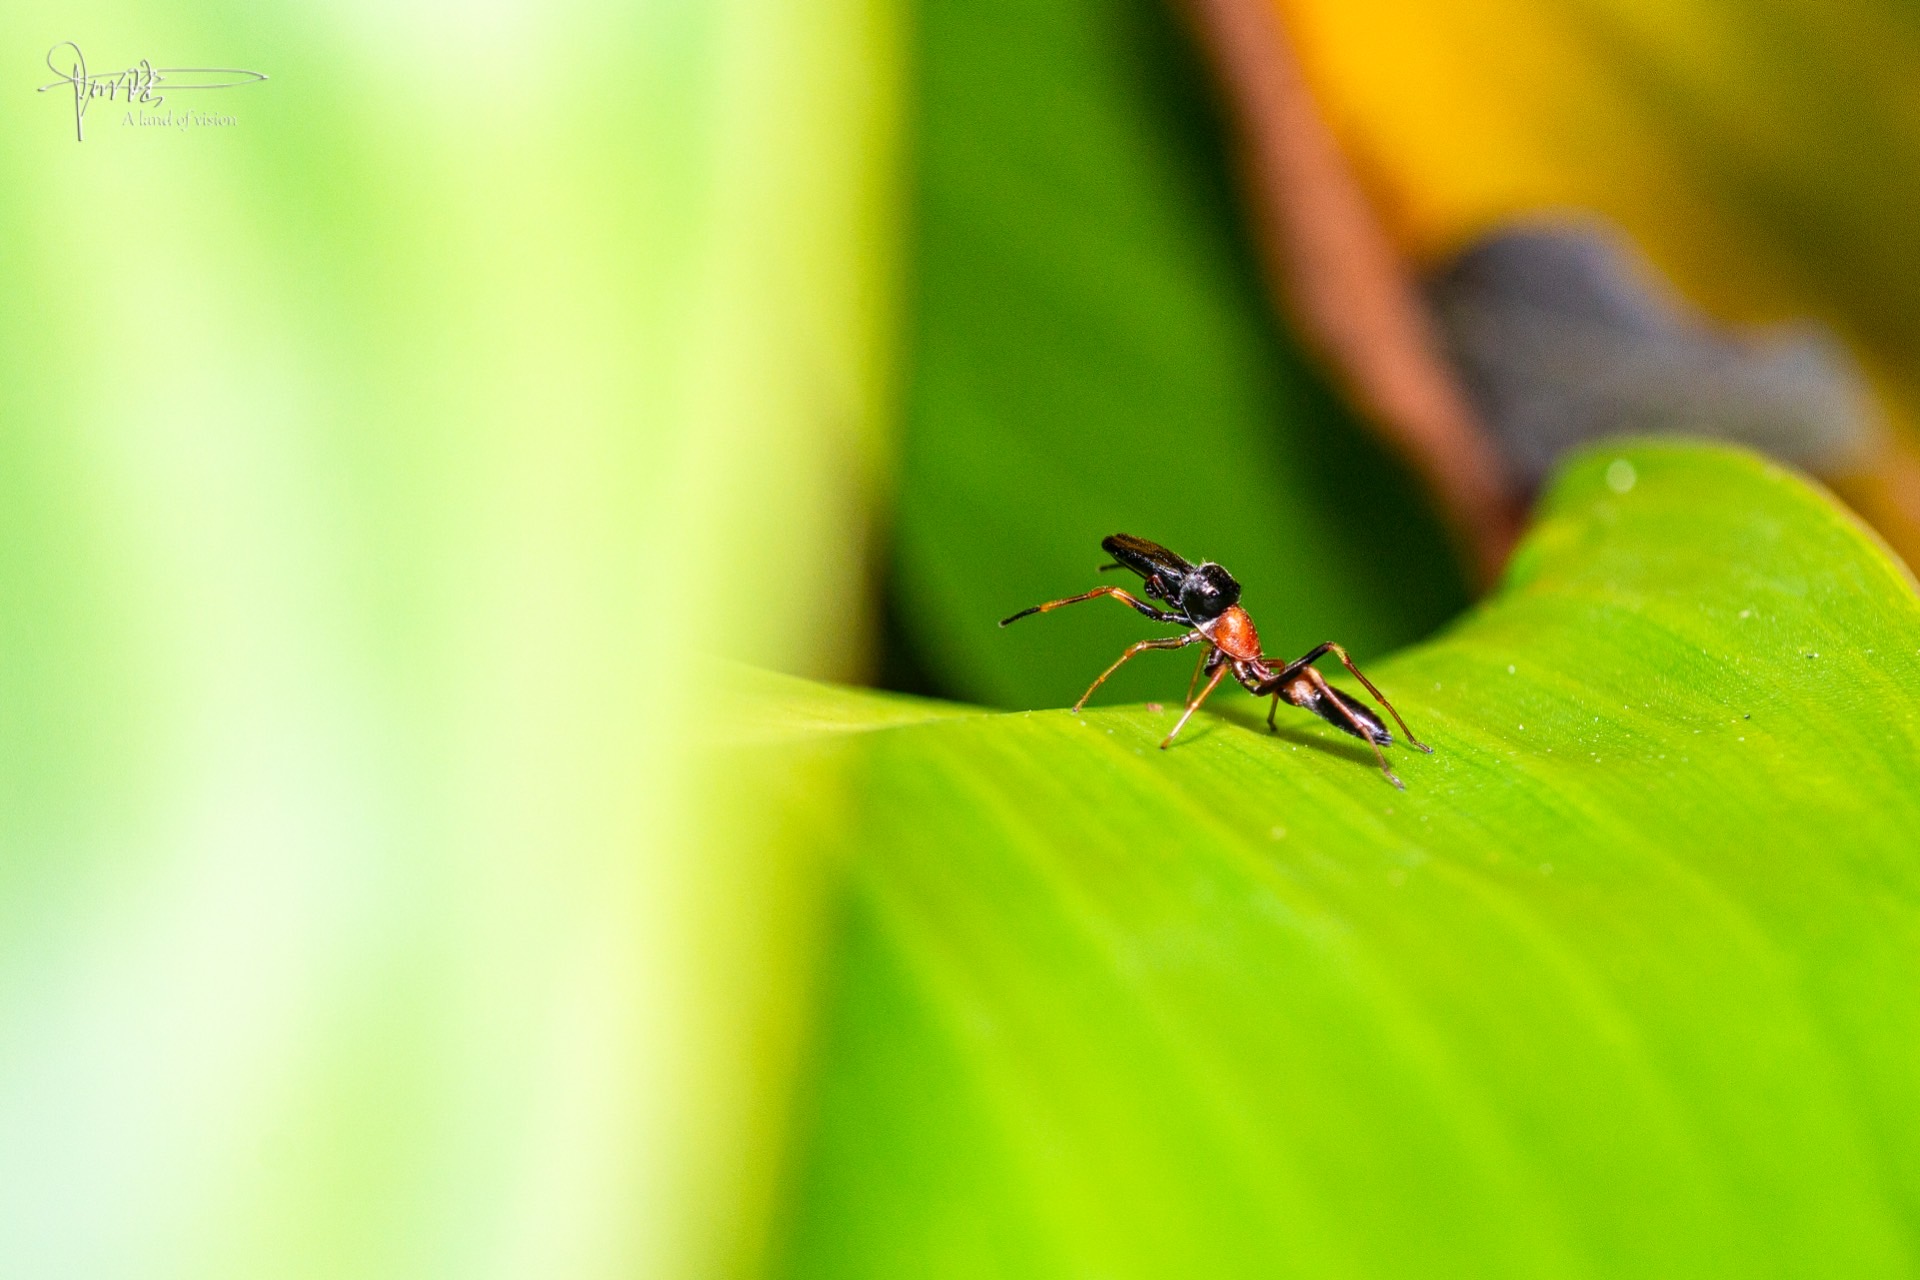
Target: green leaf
[[361, 465], [1094, 352], [1626, 981]]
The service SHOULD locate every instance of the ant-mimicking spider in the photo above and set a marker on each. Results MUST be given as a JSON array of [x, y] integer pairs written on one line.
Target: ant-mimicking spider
[[1206, 600]]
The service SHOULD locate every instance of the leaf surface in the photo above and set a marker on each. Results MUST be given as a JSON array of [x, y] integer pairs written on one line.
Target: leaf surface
[[1627, 981]]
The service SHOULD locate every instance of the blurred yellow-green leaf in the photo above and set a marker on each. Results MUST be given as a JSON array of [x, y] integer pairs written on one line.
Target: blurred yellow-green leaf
[[370, 468]]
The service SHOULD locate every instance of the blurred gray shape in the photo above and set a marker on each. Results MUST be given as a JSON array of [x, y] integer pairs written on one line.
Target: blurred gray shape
[[1563, 333]]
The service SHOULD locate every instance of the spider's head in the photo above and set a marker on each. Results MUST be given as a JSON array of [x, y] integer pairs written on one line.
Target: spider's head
[[1208, 592]]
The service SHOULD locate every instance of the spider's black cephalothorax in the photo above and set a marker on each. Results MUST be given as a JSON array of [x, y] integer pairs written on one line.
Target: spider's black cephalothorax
[[1202, 592]]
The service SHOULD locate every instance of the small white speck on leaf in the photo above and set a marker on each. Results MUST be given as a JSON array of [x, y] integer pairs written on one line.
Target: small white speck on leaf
[[1621, 475], [1279, 833], [1509, 668]]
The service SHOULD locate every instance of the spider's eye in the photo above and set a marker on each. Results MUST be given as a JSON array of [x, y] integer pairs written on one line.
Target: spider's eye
[[1208, 592]]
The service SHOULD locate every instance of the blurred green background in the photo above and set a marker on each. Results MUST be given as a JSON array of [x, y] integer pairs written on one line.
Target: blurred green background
[[372, 470], [379, 474], [1093, 351]]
